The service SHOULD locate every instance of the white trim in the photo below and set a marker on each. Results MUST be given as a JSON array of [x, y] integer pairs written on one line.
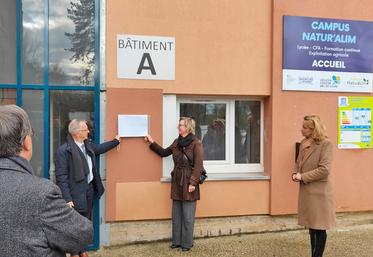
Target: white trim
[[104, 239], [262, 133], [217, 170], [170, 116], [227, 124], [230, 177]]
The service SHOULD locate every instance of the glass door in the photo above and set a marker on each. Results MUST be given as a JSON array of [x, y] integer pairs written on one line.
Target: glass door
[[49, 66], [33, 103], [63, 107], [7, 96]]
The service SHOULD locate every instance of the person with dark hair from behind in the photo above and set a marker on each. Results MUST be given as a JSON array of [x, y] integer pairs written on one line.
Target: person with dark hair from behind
[[77, 172], [34, 218]]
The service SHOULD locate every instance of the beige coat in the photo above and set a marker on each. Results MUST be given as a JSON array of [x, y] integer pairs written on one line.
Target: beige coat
[[316, 207]]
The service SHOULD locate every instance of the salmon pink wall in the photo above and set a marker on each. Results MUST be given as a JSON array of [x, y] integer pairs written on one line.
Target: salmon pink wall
[[151, 200], [134, 190], [222, 47], [225, 48], [134, 162], [352, 169]]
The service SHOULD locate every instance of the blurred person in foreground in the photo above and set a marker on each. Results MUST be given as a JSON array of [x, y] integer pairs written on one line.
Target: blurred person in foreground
[[34, 218]]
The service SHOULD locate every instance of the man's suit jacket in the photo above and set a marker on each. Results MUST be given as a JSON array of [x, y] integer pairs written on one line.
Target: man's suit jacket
[[71, 176], [34, 219]]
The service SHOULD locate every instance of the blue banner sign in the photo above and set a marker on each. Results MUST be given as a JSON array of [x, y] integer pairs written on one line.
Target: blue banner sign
[[327, 55]]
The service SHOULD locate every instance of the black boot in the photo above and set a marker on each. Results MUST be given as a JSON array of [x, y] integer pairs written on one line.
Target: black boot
[[313, 240], [318, 241]]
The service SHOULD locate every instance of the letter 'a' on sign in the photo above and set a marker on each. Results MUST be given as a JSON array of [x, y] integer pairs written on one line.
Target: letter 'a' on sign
[[146, 57]]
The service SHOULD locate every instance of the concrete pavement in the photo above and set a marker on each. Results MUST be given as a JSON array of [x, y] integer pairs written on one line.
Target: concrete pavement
[[348, 241]]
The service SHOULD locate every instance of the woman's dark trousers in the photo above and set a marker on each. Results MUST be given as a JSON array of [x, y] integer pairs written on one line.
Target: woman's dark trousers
[[183, 213]]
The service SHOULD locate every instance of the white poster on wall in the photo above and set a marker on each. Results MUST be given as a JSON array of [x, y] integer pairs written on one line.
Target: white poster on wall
[[145, 57], [133, 125]]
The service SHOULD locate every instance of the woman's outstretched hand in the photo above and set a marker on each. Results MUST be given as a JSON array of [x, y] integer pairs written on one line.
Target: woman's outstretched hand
[[149, 139]]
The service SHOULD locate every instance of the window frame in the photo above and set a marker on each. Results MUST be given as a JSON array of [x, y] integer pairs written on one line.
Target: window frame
[[217, 170], [228, 139]]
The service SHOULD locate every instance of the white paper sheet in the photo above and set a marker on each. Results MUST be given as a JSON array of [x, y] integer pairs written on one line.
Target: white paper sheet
[[133, 125]]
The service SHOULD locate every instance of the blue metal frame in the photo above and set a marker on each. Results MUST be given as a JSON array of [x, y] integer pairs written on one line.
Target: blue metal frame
[[19, 50], [70, 88], [11, 86], [46, 88], [46, 93], [96, 210]]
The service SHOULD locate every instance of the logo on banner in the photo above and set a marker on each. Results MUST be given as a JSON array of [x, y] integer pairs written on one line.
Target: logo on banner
[[358, 81], [326, 82], [336, 79], [305, 80]]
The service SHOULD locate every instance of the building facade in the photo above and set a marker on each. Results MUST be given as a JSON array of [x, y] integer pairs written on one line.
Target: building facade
[[59, 61]]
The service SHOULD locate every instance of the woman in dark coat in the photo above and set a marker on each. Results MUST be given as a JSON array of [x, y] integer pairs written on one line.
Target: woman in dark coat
[[187, 151]]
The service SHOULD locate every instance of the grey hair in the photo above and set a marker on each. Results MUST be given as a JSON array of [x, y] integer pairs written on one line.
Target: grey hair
[[75, 126], [15, 125]]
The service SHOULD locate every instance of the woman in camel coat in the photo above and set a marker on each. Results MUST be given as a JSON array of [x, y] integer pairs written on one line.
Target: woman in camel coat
[[187, 153], [316, 208]]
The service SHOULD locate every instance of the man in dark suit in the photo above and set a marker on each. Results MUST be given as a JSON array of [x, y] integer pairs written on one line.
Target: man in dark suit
[[34, 219], [77, 172]]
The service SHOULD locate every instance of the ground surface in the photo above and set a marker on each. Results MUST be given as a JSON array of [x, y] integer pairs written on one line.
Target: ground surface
[[353, 241]]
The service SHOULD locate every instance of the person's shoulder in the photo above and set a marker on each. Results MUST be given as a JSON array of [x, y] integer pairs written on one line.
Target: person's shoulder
[[37, 186], [90, 143], [41, 182], [303, 140], [196, 141], [325, 143], [63, 147], [174, 143]]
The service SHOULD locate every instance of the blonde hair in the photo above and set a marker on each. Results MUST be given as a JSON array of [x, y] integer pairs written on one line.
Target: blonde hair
[[314, 123], [190, 124]]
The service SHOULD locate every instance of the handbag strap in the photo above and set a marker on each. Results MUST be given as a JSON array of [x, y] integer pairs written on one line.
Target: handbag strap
[[189, 161]]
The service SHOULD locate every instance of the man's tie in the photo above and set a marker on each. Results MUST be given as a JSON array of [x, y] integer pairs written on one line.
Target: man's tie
[[89, 162]]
